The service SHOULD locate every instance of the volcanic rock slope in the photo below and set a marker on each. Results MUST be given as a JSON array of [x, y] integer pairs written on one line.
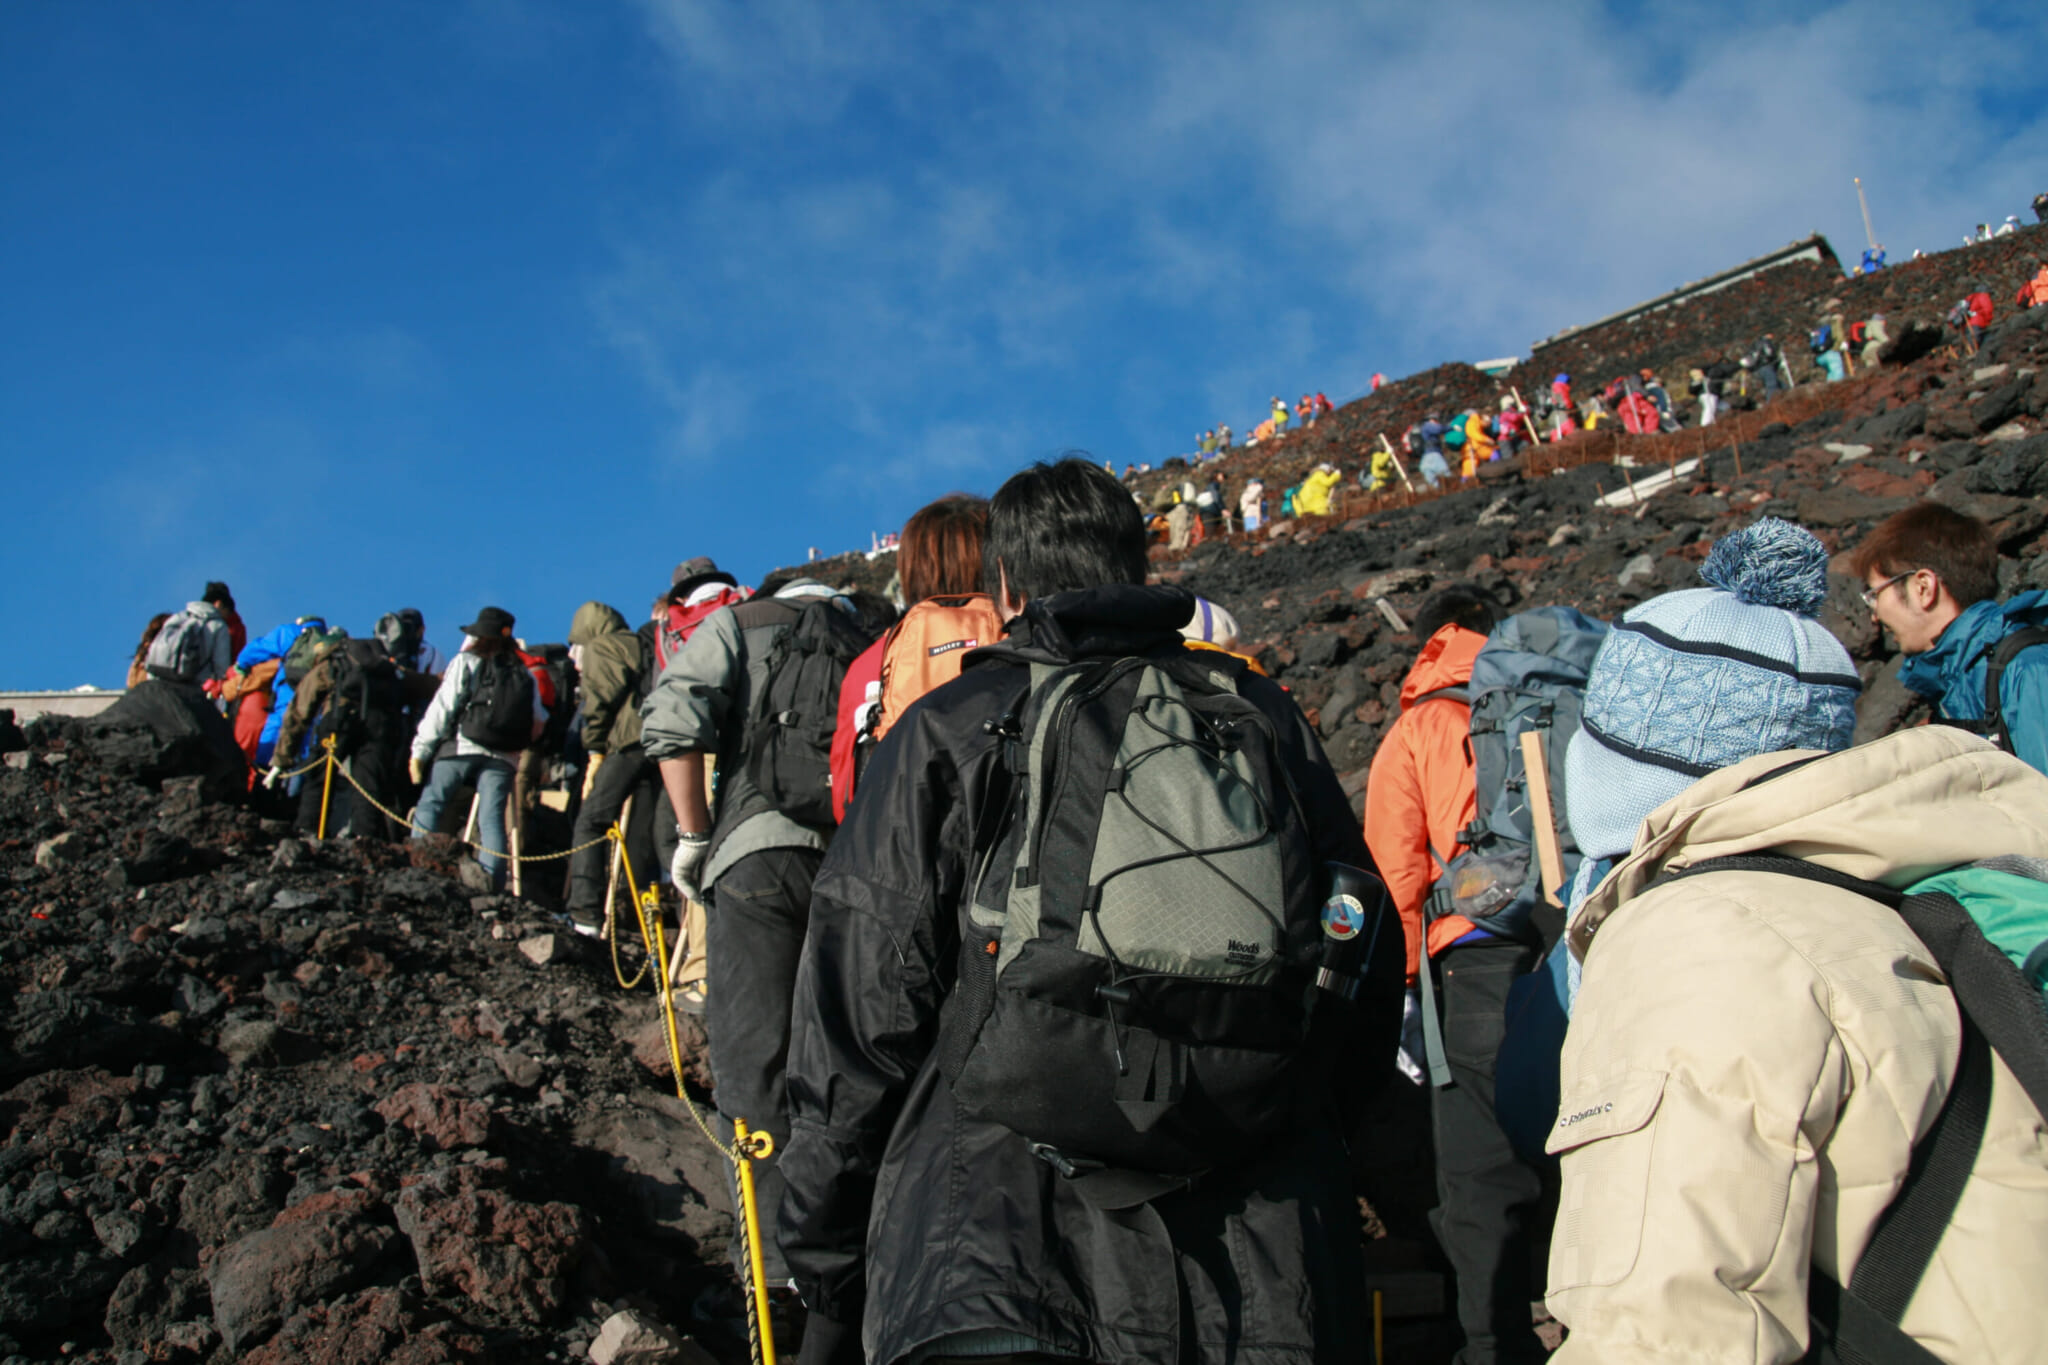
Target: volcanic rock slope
[[271, 1100], [268, 1099]]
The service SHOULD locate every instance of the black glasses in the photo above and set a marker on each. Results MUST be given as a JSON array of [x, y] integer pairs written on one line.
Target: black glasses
[[1870, 595]]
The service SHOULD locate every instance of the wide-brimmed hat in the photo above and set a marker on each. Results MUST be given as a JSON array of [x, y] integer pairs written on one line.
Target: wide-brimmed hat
[[490, 623]]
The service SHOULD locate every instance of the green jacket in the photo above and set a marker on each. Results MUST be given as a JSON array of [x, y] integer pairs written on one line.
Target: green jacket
[[610, 666]]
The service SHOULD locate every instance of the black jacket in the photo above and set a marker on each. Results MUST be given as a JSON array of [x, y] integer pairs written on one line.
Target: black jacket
[[941, 1223]]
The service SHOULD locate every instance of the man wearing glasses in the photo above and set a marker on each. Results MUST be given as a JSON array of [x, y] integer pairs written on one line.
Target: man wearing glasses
[[1930, 576]]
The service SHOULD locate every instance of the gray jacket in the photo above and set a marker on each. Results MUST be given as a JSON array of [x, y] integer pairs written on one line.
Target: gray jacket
[[700, 706]]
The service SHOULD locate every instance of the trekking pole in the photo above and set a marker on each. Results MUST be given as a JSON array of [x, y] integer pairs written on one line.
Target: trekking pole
[[1399, 468], [326, 783], [611, 884], [1528, 419], [1549, 855], [513, 819], [754, 1147]]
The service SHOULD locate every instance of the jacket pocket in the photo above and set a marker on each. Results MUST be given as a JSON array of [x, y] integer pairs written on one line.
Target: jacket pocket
[[1605, 1135]]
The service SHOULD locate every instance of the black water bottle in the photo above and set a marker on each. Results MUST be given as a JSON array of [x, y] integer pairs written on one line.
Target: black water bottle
[[1353, 916]]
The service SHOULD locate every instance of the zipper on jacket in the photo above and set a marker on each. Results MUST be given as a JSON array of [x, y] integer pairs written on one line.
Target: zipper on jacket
[[1075, 695]]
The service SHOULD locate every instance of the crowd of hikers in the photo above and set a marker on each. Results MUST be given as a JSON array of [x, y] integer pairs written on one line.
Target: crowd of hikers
[[1030, 920]]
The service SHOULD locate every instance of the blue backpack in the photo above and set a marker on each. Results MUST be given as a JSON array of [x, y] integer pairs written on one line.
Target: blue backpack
[[1530, 675], [1823, 339]]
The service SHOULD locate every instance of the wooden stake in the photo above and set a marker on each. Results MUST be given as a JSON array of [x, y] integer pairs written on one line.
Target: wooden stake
[[1549, 855], [1399, 468]]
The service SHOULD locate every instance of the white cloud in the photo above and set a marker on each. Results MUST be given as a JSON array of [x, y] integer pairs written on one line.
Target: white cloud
[[927, 215]]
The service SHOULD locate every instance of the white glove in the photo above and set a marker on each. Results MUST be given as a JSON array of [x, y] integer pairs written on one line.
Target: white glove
[[689, 857], [271, 777]]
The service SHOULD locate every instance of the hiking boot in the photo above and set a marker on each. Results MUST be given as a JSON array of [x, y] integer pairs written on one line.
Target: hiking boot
[[690, 999]]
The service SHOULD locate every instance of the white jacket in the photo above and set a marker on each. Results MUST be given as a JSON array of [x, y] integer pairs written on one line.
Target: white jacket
[[445, 710]]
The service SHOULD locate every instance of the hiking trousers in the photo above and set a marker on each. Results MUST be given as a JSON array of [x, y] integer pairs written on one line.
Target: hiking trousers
[[492, 778], [1488, 1199], [760, 908], [627, 772]]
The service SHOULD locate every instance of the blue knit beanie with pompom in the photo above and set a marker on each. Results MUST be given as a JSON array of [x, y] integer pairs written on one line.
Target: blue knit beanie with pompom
[[1694, 681]]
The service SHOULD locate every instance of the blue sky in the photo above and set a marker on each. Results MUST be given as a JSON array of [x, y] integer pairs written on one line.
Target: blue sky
[[365, 306]]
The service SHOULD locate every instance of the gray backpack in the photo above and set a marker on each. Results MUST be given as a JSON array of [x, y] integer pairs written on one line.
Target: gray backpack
[[179, 651], [1136, 978]]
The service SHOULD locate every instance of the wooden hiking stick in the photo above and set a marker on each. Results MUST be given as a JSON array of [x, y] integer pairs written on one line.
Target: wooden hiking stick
[[1399, 468], [1549, 855]]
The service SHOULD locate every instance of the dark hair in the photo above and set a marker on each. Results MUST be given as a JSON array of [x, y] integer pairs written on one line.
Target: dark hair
[[940, 552], [484, 646], [776, 581], [1060, 526], [1460, 604], [875, 612], [217, 593], [1927, 535], [149, 634]]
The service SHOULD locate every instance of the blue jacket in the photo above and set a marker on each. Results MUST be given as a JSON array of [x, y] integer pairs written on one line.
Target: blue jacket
[[261, 651], [1952, 673], [1432, 434]]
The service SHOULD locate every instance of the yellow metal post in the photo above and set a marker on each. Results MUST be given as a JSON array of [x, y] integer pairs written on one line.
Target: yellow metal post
[[326, 782], [753, 1147]]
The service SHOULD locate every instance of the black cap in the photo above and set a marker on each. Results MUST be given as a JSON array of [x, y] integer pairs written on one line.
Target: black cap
[[490, 623]]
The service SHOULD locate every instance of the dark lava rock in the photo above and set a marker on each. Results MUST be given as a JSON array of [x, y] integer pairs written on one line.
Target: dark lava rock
[[257, 1280], [512, 1257]]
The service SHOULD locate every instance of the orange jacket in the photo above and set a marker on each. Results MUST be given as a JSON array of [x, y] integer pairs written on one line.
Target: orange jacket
[[1419, 794]]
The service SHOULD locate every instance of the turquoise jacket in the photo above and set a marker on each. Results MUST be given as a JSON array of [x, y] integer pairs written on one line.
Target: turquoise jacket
[[1951, 674]]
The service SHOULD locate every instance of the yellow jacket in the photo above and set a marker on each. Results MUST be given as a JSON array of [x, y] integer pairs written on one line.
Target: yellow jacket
[[1313, 498]]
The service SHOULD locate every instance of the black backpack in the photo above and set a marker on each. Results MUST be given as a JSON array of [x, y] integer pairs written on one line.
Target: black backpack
[[1992, 724], [498, 712], [365, 682], [561, 671], [795, 711], [1858, 1323], [1136, 982]]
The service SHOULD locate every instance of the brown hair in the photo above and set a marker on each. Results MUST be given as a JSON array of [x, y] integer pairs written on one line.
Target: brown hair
[[149, 634], [1958, 549], [940, 553]]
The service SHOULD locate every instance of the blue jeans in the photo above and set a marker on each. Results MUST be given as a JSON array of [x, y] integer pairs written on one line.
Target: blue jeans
[[492, 778]]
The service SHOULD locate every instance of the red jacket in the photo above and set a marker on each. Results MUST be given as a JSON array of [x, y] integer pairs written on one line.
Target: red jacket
[[1419, 795], [864, 673], [1980, 309]]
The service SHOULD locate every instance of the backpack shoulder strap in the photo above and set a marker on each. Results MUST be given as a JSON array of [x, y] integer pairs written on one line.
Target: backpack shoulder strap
[[1860, 1323], [2006, 651]]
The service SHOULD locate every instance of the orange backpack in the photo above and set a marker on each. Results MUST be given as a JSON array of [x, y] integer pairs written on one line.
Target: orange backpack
[[925, 648]]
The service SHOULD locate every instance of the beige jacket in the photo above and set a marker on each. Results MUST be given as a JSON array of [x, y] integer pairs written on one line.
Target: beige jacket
[[1751, 1059]]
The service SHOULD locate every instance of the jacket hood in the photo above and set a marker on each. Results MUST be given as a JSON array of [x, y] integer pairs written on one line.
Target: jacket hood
[[1968, 639], [1896, 810], [1445, 661], [593, 619], [1116, 618], [205, 611]]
